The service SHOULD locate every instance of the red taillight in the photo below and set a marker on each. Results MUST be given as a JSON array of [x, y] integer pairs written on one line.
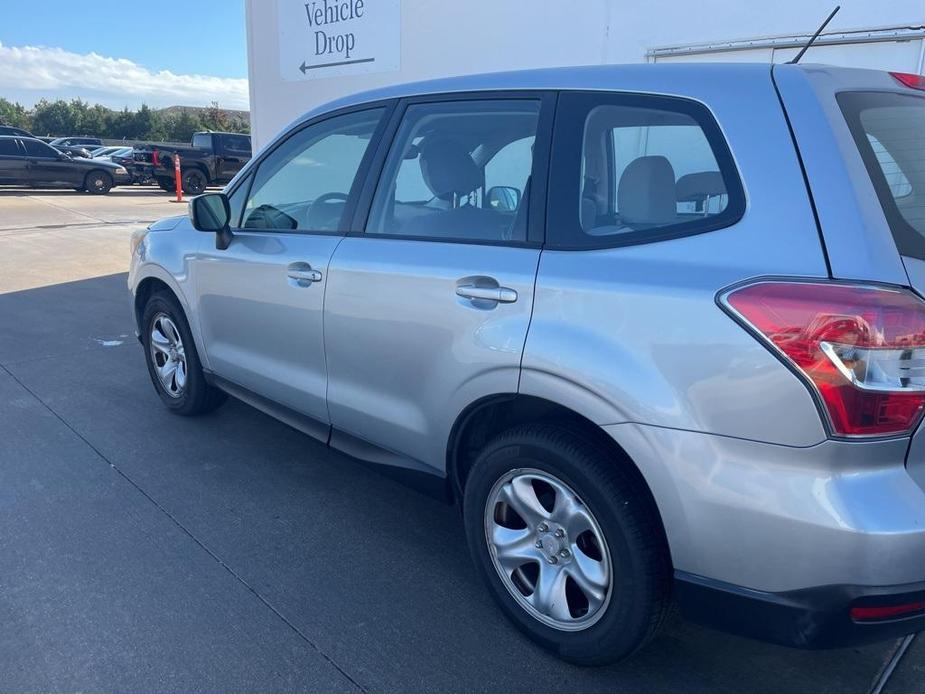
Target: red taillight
[[868, 614], [862, 348], [910, 80]]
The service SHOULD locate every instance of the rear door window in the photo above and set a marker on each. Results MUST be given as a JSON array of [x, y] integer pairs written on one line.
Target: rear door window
[[459, 170], [889, 130], [34, 148], [630, 168]]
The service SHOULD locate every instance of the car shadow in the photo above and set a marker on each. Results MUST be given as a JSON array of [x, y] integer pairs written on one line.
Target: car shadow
[[375, 575]]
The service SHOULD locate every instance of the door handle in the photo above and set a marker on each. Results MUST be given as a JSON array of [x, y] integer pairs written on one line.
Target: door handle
[[502, 295], [303, 274]]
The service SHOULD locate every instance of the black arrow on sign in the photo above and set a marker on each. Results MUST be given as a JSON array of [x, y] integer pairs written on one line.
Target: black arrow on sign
[[305, 68]]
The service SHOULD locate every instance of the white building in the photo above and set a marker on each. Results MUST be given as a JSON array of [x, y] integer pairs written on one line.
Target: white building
[[301, 54]]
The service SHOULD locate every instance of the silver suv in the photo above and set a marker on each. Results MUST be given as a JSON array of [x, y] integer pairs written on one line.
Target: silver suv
[[657, 329]]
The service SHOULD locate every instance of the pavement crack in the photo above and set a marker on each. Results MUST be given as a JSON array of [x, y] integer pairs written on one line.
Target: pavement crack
[[883, 677], [66, 209], [302, 635], [17, 231]]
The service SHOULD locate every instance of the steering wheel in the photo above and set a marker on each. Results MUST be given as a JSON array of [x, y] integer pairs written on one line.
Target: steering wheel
[[322, 215]]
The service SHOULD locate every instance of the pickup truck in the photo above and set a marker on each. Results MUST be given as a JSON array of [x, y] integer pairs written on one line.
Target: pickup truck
[[211, 159]]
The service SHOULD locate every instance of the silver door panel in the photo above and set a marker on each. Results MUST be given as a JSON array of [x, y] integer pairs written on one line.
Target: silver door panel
[[406, 353], [261, 326]]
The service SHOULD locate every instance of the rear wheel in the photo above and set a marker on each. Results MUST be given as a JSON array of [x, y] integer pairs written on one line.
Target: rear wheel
[[194, 182], [569, 543], [173, 362], [98, 182]]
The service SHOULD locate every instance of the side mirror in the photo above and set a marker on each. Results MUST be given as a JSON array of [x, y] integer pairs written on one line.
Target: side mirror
[[212, 212], [502, 198], [62, 156]]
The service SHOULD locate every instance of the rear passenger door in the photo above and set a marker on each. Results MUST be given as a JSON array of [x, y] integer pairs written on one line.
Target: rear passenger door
[[429, 299]]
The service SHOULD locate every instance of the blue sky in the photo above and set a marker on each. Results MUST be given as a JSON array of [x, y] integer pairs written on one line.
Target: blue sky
[[124, 52]]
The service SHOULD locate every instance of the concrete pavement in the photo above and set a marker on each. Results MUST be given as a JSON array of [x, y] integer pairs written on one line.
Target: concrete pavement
[[140, 551]]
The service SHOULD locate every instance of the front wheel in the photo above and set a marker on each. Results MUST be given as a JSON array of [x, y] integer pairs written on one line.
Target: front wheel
[[569, 542], [98, 183], [172, 360]]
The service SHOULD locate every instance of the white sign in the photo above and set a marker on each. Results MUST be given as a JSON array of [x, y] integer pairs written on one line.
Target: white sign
[[330, 38]]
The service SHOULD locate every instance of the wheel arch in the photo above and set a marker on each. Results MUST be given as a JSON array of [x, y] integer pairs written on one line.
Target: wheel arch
[[147, 288], [487, 417], [198, 166]]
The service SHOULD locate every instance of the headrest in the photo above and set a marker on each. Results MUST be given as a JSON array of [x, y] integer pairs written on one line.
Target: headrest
[[697, 186], [447, 168], [646, 194]]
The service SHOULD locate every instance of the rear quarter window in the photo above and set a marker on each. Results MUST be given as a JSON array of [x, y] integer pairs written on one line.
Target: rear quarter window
[[635, 168], [889, 131]]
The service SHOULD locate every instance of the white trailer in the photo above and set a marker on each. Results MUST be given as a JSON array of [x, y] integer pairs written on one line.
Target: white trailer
[[301, 54]]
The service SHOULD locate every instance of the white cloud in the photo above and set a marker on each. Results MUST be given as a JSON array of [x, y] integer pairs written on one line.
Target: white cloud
[[54, 72]]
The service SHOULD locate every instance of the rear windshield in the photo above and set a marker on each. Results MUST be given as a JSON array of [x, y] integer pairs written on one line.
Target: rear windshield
[[889, 130]]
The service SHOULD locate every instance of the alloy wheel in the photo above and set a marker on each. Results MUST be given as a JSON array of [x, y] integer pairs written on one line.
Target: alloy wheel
[[548, 549], [168, 355]]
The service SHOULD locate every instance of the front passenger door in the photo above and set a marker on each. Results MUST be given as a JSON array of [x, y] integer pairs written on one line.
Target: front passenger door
[[260, 300]]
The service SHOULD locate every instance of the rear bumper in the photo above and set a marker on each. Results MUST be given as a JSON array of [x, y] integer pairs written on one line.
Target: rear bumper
[[811, 618], [781, 519]]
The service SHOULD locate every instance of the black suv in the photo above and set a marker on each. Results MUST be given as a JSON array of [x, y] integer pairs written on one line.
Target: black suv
[[26, 161]]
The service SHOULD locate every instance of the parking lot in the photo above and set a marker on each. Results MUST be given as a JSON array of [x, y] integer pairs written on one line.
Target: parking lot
[[147, 552]]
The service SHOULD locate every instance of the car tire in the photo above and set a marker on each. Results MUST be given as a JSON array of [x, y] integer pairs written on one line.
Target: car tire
[[194, 182], [172, 359], [98, 182], [609, 572]]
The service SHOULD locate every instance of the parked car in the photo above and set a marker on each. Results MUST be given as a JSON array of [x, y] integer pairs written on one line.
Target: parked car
[[110, 152], [29, 162], [10, 130], [76, 151], [658, 329], [212, 159], [60, 142]]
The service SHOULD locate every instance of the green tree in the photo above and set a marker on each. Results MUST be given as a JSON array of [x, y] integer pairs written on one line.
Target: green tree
[[147, 124], [55, 118], [95, 121], [180, 128], [121, 124], [14, 113], [239, 125], [214, 118]]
